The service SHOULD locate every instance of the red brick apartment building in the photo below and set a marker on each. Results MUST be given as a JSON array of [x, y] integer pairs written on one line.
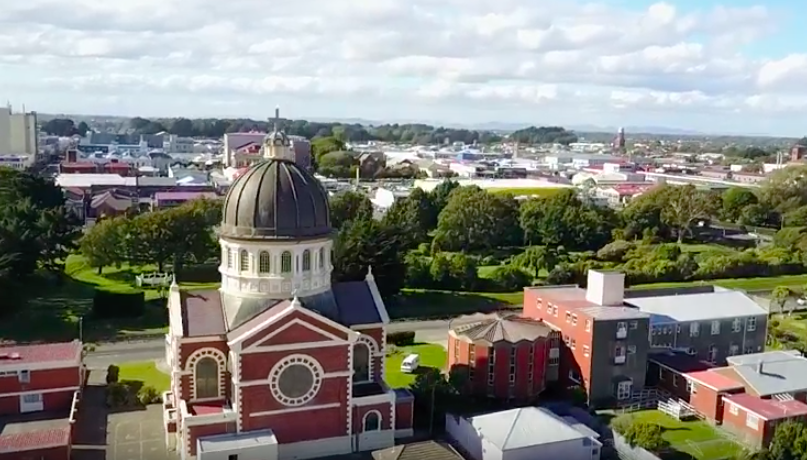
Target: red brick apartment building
[[749, 397], [509, 357], [609, 333], [39, 388]]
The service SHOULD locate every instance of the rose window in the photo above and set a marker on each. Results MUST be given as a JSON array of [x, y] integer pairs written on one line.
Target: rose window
[[296, 380]]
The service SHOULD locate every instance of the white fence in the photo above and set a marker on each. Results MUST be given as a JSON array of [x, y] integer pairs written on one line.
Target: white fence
[[153, 279]]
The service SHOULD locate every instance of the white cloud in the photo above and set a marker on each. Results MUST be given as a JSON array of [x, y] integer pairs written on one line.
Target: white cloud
[[528, 53]]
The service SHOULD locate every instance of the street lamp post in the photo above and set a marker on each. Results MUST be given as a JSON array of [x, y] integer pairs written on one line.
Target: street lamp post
[[81, 329]]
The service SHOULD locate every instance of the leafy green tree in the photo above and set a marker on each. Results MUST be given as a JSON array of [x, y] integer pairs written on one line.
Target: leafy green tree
[[780, 295], [735, 200], [414, 215], [324, 145], [102, 245], [337, 164], [563, 220], [364, 243], [789, 442], [537, 258], [476, 219], [686, 204], [785, 189], [439, 195], [349, 206]]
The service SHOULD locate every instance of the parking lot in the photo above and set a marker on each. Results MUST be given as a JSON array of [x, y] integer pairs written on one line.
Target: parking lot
[[137, 436]]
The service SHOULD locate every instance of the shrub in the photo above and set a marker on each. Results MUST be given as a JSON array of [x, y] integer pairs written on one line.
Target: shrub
[[148, 395], [116, 395], [510, 278], [615, 251], [402, 338], [489, 260], [648, 436], [112, 374], [109, 304]]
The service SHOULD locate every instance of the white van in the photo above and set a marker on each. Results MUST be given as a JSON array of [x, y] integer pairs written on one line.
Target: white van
[[410, 363]]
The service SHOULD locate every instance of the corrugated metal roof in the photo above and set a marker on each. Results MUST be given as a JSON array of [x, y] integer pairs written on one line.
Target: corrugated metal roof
[[698, 307], [524, 427], [772, 372]]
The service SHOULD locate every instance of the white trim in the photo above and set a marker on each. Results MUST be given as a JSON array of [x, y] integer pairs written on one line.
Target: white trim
[[237, 341], [761, 417], [41, 366], [294, 322], [351, 334], [207, 419], [364, 420], [704, 384], [221, 366], [331, 375], [16, 394], [361, 327], [377, 300], [200, 339], [317, 373], [292, 347], [388, 397], [295, 409]]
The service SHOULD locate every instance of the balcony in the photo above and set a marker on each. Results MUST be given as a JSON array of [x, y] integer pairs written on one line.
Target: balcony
[[622, 333], [620, 359]]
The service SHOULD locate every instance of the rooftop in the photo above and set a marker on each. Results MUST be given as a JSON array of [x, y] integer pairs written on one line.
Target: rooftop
[[698, 307], [236, 441], [680, 362], [33, 431], [772, 372], [40, 353], [714, 380], [574, 297], [768, 409], [524, 427], [509, 328], [426, 450]]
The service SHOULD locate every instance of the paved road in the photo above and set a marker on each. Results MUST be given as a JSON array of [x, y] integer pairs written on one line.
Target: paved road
[[147, 350]]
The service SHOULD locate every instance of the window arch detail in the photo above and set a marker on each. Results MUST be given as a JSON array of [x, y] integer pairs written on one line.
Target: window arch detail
[[306, 260], [372, 421], [285, 262], [200, 358], [321, 257], [243, 260], [264, 262]]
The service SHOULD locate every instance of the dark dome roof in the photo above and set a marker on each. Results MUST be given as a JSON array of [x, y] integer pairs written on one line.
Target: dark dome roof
[[276, 199]]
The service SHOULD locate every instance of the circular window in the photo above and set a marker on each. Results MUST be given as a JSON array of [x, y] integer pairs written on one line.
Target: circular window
[[296, 380]]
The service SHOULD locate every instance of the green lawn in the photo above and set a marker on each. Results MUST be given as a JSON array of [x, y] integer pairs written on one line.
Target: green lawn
[[430, 356], [433, 304], [696, 438], [146, 373], [747, 284], [530, 191], [707, 247]]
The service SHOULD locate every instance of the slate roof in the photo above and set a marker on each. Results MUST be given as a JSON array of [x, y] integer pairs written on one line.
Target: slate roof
[[204, 311], [509, 328], [780, 372], [525, 427]]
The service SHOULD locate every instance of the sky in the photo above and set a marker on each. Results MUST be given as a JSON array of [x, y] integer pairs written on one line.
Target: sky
[[733, 67]]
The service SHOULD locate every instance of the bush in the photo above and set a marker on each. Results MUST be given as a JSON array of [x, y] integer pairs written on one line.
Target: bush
[[489, 260], [109, 304], [648, 436], [148, 395], [510, 278], [117, 395], [112, 374], [402, 338]]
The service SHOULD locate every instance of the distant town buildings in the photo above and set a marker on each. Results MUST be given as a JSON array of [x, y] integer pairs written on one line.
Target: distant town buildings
[[19, 138]]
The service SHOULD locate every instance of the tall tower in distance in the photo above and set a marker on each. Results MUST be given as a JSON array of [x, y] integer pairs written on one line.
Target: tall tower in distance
[[619, 142]]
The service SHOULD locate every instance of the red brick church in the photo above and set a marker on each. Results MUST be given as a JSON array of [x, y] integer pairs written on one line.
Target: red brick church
[[279, 363]]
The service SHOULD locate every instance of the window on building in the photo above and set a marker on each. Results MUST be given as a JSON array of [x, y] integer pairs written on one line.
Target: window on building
[[24, 376], [456, 350], [694, 329], [751, 324], [752, 421], [285, 262], [264, 262], [321, 258], [361, 362], [734, 349], [634, 325], [243, 260], [206, 378], [733, 409], [232, 457], [306, 260], [631, 349], [736, 325], [588, 325], [715, 327], [230, 263], [574, 320], [586, 351], [372, 422], [555, 310], [621, 326], [572, 343], [675, 380], [568, 317], [472, 355], [712, 357]]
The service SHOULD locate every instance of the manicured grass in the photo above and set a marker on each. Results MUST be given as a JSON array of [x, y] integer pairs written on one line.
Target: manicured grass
[[528, 191], [431, 355], [747, 284], [432, 304], [696, 438], [146, 373], [707, 247]]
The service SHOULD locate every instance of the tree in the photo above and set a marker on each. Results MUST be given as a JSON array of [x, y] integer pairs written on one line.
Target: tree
[[439, 195], [785, 189], [780, 296], [414, 215], [350, 206], [365, 243], [337, 164], [648, 436], [563, 220], [735, 200], [789, 441], [537, 258], [102, 245], [324, 145], [476, 219], [684, 205]]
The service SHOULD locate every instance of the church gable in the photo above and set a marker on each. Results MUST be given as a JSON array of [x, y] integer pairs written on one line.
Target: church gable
[[296, 331]]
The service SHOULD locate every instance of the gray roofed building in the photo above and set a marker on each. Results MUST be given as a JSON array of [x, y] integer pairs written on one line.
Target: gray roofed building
[[697, 307], [772, 372], [524, 427], [508, 328]]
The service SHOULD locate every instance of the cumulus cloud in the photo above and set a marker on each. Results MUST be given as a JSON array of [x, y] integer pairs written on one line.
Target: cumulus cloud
[[509, 52]]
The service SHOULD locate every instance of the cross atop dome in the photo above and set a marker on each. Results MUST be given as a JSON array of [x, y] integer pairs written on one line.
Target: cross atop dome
[[276, 144]]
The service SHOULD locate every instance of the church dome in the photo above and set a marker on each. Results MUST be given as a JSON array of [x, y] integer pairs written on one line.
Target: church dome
[[276, 199]]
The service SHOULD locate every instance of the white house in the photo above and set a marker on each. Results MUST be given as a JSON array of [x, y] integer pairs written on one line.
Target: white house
[[528, 433]]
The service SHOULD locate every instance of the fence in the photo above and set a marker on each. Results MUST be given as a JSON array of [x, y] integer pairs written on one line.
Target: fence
[[154, 279]]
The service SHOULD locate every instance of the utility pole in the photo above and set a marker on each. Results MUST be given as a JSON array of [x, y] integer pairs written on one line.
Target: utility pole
[[81, 329]]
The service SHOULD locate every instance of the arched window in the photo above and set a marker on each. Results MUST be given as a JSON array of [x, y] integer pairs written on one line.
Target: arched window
[[206, 378], [372, 421], [285, 262], [321, 257], [243, 263], [263, 262], [306, 260], [229, 258], [361, 362]]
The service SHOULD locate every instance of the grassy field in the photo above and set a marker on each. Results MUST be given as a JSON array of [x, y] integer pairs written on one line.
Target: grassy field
[[146, 373], [431, 304], [528, 191], [747, 284], [430, 356], [695, 438]]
